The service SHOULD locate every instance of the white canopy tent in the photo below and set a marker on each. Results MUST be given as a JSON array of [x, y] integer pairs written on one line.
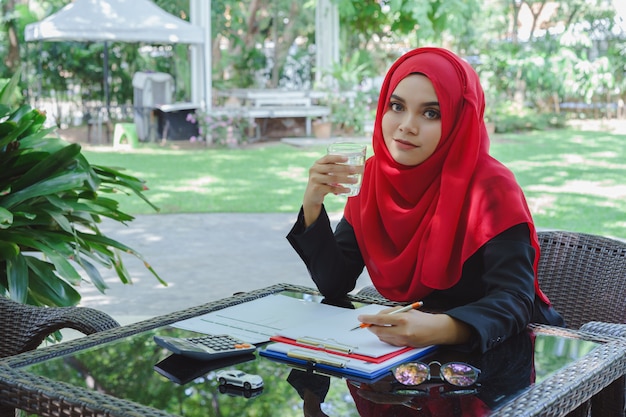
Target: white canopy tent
[[116, 21]]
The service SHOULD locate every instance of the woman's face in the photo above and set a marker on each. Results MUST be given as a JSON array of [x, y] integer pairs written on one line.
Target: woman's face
[[412, 122]]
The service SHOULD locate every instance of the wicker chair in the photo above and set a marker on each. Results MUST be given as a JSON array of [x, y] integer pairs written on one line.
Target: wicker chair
[[24, 327], [585, 278]]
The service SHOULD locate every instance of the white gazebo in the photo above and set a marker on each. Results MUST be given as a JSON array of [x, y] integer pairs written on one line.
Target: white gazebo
[[326, 42]]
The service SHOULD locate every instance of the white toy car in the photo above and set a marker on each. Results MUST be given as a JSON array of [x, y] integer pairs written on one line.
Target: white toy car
[[239, 379]]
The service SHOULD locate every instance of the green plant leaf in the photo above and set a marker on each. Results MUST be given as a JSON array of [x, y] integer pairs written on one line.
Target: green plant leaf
[[61, 220], [4, 111], [17, 274], [14, 134], [106, 241], [8, 250], [23, 114], [6, 218], [113, 243], [57, 247], [65, 204], [7, 127], [49, 191], [8, 91], [63, 182], [95, 275], [43, 142], [28, 121], [111, 176], [51, 165], [47, 288]]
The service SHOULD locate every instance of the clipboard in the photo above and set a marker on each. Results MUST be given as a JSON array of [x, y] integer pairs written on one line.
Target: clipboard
[[339, 364], [311, 325], [333, 334], [336, 348]]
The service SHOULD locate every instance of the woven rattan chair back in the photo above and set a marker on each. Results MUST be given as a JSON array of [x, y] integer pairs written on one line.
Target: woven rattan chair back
[[584, 276], [24, 327]]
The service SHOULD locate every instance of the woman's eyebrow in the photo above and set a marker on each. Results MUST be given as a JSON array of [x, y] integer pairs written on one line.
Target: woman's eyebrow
[[426, 104]]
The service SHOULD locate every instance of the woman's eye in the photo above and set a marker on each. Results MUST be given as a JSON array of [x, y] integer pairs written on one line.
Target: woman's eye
[[396, 106], [432, 114]]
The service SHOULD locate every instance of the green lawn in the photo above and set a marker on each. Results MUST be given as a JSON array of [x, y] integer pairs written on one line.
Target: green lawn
[[574, 180]]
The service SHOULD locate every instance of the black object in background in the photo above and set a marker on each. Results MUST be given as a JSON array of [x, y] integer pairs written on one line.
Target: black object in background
[[182, 369]]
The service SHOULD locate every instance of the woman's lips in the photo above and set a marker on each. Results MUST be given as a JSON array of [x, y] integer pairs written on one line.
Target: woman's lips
[[404, 145]]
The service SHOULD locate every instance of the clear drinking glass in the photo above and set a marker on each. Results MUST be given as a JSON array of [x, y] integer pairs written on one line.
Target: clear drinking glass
[[355, 152]]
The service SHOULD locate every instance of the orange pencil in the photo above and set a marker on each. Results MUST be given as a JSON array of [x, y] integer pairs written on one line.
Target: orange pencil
[[416, 304]]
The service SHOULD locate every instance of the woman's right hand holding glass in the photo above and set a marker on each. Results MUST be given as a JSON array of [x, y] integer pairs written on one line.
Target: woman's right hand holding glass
[[325, 177]]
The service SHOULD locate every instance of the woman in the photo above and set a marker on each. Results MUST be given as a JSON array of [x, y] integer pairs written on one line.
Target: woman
[[437, 218]]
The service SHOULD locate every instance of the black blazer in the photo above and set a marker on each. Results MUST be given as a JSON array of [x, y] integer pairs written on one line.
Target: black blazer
[[495, 295]]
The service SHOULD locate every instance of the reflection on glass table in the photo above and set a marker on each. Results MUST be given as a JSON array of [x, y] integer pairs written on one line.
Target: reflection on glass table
[[137, 369], [506, 371]]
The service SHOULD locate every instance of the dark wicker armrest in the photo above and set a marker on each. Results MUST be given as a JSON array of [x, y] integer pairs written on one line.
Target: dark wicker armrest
[[610, 329], [611, 401], [83, 319], [24, 327]]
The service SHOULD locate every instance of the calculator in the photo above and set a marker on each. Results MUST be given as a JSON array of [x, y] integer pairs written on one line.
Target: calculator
[[205, 347]]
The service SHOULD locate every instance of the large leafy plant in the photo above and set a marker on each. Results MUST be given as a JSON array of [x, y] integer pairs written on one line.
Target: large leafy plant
[[52, 201]]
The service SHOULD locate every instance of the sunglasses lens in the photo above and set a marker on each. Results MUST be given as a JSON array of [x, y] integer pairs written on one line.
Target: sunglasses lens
[[459, 374], [411, 373]]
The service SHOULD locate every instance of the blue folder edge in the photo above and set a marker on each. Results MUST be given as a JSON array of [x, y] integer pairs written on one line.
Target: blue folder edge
[[339, 371]]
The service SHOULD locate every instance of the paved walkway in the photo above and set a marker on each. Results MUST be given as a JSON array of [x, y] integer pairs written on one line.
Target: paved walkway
[[203, 257]]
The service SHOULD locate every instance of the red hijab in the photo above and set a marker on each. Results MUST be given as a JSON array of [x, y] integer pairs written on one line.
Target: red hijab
[[417, 225]]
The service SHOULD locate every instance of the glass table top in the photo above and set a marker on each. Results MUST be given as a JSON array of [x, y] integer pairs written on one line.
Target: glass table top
[[137, 369]]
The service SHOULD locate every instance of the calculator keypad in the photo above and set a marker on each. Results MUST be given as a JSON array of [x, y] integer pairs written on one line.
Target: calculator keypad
[[205, 347], [220, 343]]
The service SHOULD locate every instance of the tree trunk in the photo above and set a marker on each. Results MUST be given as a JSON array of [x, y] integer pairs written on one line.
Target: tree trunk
[[281, 48], [12, 58], [535, 15], [515, 22]]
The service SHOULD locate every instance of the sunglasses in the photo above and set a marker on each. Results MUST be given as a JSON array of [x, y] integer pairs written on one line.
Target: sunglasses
[[459, 374]]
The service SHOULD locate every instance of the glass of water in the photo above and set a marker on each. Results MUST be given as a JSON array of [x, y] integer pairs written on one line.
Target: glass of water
[[355, 152]]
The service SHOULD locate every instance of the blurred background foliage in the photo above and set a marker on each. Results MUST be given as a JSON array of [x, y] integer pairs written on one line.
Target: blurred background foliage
[[540, 61]]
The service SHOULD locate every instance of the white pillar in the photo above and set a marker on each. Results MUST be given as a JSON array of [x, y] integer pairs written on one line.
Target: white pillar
[[326, 37], [201, 65]]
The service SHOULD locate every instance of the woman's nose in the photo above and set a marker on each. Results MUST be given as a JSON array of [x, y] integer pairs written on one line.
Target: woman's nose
[[408, 124]]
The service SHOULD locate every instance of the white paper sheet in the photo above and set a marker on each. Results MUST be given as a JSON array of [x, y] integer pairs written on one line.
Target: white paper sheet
[[257, 320]]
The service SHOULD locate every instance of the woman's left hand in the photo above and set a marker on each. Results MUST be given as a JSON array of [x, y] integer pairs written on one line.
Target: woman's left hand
[[416, 328]]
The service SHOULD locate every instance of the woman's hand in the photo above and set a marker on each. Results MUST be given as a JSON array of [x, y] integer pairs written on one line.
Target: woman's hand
[[325, 176], [417, 329]]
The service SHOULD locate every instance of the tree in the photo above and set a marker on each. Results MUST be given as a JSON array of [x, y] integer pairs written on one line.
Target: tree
[[561, 57], [242, 33], [12, 57]]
